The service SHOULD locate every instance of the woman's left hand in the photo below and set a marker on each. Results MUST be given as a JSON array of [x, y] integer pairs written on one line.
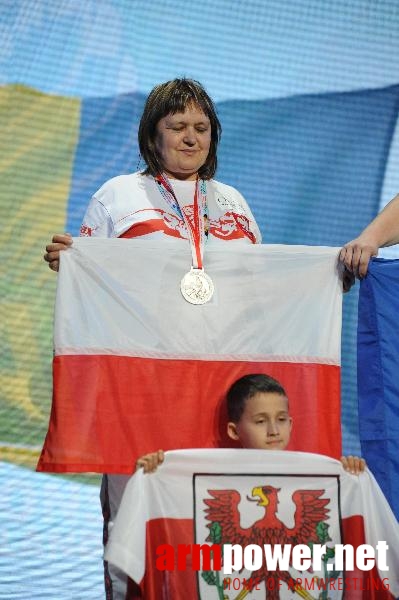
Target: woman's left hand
[[356, 255]]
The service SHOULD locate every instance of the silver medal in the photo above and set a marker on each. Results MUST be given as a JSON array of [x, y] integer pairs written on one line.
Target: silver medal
[[196, 286]]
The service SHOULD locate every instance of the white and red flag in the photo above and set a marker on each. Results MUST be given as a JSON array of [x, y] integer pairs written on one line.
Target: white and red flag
[[137, 368], [255, 497]]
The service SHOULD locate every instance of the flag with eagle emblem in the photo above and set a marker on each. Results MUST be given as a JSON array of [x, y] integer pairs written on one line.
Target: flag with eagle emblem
[[135, 362], [253, 497]]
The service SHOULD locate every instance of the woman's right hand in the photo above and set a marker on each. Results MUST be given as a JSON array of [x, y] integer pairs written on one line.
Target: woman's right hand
[[60, 241]]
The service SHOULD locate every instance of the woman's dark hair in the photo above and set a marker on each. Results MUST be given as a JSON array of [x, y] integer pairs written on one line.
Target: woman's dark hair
[[170, 98], [246, 387]]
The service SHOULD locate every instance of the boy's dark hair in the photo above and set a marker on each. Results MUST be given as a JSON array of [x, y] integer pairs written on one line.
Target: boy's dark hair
[[245, 388], [170, 98]]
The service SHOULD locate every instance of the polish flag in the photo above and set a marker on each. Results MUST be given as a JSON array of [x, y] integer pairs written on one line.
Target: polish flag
[[257, 497], [136, 367]]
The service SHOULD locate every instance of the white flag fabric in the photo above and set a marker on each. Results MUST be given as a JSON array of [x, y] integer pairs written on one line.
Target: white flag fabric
[[178, 503], [137, 367]]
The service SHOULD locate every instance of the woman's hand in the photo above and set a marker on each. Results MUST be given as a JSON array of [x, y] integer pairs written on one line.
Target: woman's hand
[[353, 464], [150, 462], [356, 255], [60, 241]]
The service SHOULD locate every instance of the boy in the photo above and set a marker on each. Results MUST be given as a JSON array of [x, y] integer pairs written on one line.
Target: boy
[[258, 413]]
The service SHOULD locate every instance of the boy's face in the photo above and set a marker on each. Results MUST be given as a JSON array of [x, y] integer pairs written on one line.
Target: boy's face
[[265, 423]]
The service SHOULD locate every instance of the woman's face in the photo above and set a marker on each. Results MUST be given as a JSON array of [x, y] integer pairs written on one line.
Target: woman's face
[[183, 141]]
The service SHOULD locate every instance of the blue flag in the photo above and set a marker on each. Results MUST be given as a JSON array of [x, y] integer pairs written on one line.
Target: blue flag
[[378, 374]]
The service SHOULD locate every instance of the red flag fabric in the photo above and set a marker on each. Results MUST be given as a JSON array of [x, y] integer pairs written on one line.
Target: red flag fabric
[[137, 367]]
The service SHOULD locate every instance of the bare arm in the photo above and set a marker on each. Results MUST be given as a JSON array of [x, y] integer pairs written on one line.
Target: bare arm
[[382, 231]]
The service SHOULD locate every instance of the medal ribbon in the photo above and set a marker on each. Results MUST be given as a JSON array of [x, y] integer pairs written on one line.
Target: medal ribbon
[[195, 227]]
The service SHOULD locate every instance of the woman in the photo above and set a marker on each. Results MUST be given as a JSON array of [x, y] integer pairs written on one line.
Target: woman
[[178, 137], [176, 196]]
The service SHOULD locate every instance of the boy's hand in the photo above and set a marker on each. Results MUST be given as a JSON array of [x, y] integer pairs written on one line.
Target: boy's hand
[[150, 462], [353, 464]]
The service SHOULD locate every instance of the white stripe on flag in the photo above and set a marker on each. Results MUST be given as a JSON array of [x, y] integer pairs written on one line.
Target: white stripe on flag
[[122, 297]]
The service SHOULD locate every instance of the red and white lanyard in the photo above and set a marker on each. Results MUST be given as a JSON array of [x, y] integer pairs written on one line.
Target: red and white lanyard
[[195, 226]]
